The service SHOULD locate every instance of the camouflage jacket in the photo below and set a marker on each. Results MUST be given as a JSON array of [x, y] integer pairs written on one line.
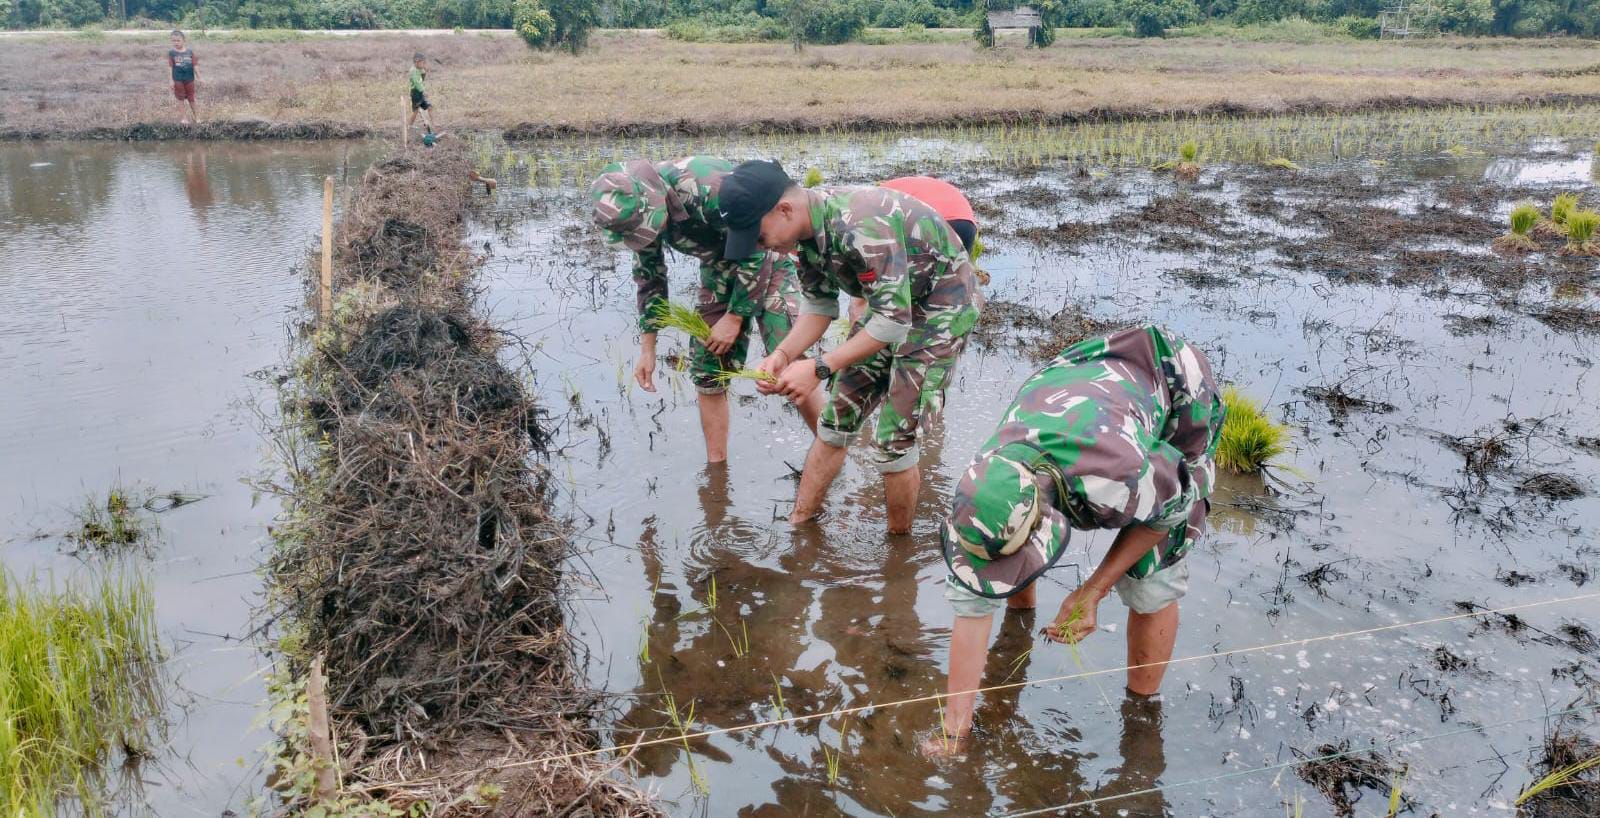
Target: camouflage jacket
[[890, 249], [693, 181]]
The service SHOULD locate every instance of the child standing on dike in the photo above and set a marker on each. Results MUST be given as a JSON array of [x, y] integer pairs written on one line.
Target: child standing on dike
[[182, 62], [419, 96]]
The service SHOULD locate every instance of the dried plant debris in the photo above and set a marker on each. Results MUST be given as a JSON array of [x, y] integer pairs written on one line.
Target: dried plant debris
[[1341, 404], [1569, 319], [1552, 486], [1039, 335], [1568, 783], [1345, 779]]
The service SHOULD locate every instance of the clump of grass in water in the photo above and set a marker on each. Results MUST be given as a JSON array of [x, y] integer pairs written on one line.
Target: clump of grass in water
[[812, 178], [1188, 168], [1581, 225], [1520, 240], [77, 683], [672, 315], [1560, 208], [1250, 439], [1282, 163], [115, 522]]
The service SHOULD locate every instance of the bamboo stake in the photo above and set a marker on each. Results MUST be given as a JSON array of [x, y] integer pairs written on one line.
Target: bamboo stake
[[326, 290], [327, 785], [405, 129]]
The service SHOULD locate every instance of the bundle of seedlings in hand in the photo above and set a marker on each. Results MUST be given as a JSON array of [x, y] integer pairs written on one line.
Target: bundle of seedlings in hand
[[1520, 240], [728, 376], [1555, 227], [1250, 439], [1580, 234], [1188, 168], [672, 315]]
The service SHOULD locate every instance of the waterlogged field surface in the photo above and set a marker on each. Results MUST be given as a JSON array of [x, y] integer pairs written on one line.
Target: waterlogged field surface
[[1441, 401], [143, 287]]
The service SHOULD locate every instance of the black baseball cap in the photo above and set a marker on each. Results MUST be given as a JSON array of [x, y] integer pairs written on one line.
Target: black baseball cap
[[747, 194]]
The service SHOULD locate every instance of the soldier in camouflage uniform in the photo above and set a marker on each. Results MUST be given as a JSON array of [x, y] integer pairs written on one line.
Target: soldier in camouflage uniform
[[920, 288], [650, 206], [1116, 433]]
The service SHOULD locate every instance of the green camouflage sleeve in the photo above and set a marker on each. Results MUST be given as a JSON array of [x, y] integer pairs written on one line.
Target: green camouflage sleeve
[[650, 275], [879, 246], [818, 295]]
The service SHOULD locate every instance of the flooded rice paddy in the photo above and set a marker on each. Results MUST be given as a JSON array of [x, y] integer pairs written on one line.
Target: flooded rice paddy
[[1446, 456]]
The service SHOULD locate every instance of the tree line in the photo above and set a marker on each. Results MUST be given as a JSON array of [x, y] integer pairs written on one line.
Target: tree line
[[564, 21]]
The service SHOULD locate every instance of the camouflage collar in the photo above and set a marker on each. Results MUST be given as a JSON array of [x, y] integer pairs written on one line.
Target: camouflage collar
[[816, 206]]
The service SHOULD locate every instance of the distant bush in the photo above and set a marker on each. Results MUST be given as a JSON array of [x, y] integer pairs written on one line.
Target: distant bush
[[1152, 18], [1361, 28], [727, 27], [1467, 17], [532, 23], [824, 22], [903, 13], [554, 23]]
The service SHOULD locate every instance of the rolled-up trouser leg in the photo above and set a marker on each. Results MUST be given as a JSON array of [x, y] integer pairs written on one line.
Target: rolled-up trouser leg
[[918, 375], [705, 368], [857, 391]]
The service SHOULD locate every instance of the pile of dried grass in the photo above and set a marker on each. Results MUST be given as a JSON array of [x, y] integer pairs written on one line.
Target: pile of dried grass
[[416, 554]]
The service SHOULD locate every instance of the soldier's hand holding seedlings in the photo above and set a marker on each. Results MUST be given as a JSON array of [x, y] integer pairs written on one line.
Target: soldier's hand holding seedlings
[[723, 334], [1079, 616]]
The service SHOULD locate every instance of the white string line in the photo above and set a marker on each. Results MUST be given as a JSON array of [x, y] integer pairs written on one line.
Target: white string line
[[1295, 763], [683, 738]]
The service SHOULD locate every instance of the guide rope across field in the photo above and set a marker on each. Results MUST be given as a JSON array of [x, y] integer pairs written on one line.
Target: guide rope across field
[[935, 697]]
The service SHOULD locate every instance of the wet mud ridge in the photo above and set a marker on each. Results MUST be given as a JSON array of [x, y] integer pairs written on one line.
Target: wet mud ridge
[[416, 555]]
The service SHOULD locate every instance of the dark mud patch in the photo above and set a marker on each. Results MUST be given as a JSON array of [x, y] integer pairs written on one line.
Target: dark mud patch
[[1184, 212], [1570, 319], [1579, 797], [1463, 325], [242, 130], [1341, 404], [1589, 444], [1578, 635], [1039, 335], [1552, 486], [1344, 780], [1448, 662], [1198, 279], [1065, 236]]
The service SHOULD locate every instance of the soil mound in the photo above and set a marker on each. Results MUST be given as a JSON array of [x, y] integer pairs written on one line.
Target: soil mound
[[237, 130]]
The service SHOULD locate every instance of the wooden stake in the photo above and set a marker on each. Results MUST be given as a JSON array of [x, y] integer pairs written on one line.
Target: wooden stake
[[326, 290], [321, 735], [405, 129]]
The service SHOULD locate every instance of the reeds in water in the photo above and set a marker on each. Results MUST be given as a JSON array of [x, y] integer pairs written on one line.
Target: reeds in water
[[76, 681], [1250, 439]]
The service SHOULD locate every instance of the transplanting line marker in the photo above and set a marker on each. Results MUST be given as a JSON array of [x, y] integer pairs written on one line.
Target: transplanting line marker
[[1297, 762], [934, 697]]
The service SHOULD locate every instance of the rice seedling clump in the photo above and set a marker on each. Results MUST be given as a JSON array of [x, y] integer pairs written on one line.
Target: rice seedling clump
[[76, 680], [672, 315], [812, 178], [1250, 439], [1580, 233], [1188, 168], [1520, 240], [1560, 207]]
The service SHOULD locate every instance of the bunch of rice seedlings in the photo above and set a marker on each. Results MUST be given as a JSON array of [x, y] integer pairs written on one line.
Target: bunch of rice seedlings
[[1282, 163], [672, 315], [1560, 207], [728, 376], [812, 178], [75, 682], [1520, 240], [1188, 168], [1250, 439], [1580, 234]]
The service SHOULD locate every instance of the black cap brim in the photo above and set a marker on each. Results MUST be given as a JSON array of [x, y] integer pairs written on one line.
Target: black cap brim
[[741, 243]]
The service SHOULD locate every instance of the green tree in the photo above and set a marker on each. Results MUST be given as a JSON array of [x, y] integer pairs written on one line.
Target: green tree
[[1468, 17], [824, 22], [532, 23], [1152, 18]]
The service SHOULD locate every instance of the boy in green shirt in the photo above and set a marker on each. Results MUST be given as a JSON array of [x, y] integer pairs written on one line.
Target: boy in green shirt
[[419, 96]]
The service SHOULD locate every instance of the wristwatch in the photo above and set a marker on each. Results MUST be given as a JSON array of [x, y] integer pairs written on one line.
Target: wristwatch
[[824, 371]]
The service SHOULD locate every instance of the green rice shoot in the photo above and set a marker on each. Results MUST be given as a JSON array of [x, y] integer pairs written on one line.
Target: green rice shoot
[[728, 376], [1250, 439], [1581, 225], [1064, 631], [115, 522], [1282, 163], [1524, 217], [672, 315], [1559, 778], [812, 178], [1189, 152], [78, 683], [1562, 206], [1188, 168]]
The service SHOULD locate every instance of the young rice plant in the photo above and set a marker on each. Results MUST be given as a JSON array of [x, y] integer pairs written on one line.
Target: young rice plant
[[1520, 240], [672, 315], [1250, 439], [1580, 233]]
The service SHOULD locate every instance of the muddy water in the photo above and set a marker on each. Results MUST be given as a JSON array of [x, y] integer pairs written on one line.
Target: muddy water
[[700, 599], [143, 287]]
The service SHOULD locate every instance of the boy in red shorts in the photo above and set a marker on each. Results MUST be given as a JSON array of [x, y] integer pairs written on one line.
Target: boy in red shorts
[[182, 61]]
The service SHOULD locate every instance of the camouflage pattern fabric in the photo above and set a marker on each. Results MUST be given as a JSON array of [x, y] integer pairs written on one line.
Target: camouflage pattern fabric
[[921, 293], [650, 206], [1116, 431], [779, 295]]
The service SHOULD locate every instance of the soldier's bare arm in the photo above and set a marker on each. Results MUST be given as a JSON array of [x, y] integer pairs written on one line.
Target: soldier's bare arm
[[1132, 543]]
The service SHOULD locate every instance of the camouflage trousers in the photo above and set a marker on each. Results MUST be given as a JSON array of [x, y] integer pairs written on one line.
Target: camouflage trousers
[[778, 295], [908, 379]]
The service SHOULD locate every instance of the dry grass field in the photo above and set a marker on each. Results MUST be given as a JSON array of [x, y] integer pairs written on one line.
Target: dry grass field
[[641, 81]]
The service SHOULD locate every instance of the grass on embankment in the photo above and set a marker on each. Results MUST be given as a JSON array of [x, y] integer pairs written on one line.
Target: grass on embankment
[[75, 683], [495, 82]]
